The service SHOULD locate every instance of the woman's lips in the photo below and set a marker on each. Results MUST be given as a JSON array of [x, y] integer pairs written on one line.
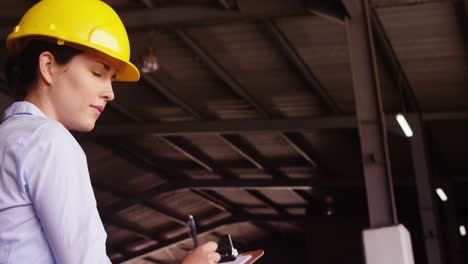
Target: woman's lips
[[99, 108]]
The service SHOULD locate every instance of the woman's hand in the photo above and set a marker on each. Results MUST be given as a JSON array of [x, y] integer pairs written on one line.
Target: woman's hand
[[203, 254]]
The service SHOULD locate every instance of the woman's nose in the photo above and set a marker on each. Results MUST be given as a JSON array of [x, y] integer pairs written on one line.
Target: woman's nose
[[108, 93]]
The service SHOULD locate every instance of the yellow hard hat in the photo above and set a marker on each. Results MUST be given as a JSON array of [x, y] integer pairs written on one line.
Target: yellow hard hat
[[87, 24]]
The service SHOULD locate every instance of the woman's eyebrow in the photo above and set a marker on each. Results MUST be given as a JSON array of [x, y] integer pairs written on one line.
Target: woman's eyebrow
[[107, 68]]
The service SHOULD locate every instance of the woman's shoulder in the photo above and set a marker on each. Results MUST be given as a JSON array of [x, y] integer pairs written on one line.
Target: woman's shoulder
[[48, 129], [32, 131]]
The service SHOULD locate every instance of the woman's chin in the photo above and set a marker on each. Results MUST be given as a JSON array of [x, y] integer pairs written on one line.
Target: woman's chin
[[83, 127]]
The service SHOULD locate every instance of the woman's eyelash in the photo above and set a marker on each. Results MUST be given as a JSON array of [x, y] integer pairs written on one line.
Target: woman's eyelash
[[97, 74]]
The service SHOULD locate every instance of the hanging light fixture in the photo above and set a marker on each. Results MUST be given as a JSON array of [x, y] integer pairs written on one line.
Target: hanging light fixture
[[329, 210], [149, 59]]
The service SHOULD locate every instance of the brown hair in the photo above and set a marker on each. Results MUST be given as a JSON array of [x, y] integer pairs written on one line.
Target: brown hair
[[21, 70]]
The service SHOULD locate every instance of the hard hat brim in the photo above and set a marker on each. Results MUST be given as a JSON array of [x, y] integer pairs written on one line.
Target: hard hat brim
[[127, 73]]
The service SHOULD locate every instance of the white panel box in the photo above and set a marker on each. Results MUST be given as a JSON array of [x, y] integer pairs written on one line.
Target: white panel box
[[388, 245]]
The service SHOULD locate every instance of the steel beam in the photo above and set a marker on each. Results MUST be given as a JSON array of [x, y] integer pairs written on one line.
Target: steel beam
[[123, 196], [189, 15], [178, 16], [301, 66], [235, 142], [239, 143], [190, 151], [370, 116], [219, 71], [207, 185], [427, 208], [142, 161], [237, 88], [227, 126], [256, 125], [330, 10], [392, 65], [124, 224], [278, 208], [218, 201], [461, 11], [234, 209], [157, 85]]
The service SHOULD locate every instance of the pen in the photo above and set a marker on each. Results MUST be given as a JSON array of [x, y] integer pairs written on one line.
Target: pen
[[193, 230]]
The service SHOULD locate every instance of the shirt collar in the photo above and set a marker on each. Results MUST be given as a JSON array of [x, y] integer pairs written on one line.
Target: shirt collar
[[22, 108]]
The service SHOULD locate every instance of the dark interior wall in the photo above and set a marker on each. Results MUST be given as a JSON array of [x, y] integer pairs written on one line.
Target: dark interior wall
[[334, 239], [283, 249]]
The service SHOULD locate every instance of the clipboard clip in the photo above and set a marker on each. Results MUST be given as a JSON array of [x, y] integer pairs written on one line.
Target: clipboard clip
[[226, 249]]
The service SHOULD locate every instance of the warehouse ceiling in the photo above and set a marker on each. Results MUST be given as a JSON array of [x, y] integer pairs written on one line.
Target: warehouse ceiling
[[249, 122]]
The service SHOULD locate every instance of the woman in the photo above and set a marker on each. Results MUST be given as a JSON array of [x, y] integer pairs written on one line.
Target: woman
[[62, 59]]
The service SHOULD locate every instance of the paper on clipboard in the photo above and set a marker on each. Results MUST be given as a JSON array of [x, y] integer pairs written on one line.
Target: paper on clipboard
[[247, 257], [242, 259]]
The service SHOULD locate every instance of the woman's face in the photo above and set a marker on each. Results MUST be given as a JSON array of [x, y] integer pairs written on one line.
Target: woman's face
[[80, 90]]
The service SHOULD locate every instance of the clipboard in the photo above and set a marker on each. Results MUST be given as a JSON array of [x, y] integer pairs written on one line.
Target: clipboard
[[246, 257]]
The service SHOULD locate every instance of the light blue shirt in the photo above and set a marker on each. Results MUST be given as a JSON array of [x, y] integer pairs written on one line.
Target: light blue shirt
[[48, 210]]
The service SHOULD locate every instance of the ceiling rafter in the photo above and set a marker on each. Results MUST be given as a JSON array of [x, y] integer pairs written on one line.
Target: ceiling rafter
[[135, 156], [128, 201], [190, 151], [149, 165], [200, 185], [461, 11], [258, 125], [236, 87], [112, 209], [262, 197], [211, 164], [187, 148], [223, 203], [298, 63], [249, 150], [393, 65], [155, 84], [168, 141], [236, 210], [239, 142], [219, 71], [123, 224]]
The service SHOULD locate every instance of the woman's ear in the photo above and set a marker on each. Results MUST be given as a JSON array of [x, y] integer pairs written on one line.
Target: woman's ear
[[46, 67]]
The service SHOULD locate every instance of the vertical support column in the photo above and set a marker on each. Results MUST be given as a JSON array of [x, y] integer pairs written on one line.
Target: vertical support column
[[370, 116], [385, 242], [425, 192]]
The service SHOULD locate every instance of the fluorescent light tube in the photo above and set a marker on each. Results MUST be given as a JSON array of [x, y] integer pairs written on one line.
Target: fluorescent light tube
[[441, 194], [462, 230], [404, 125]]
